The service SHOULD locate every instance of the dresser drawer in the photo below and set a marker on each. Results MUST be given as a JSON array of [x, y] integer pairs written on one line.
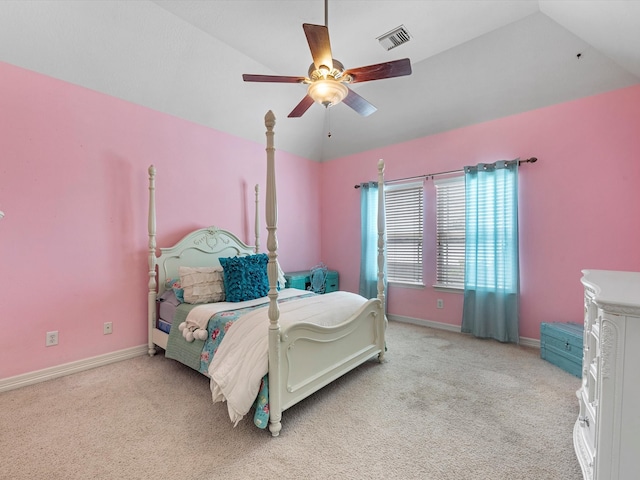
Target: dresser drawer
[[587, 424], [562, 344]]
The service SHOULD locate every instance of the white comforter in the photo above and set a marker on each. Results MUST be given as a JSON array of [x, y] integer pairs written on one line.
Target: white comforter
[[242, 358], [195, 325]]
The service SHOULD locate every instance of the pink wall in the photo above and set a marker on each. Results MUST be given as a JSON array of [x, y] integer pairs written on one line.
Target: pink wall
[[579, 204], [73, 186]]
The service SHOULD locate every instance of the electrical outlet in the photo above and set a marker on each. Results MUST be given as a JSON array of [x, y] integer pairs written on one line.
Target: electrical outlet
[[440, 303], [108, 328], [52, 339]]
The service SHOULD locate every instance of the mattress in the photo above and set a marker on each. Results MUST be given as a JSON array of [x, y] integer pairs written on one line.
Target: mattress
[[166, 308], [166, 312]]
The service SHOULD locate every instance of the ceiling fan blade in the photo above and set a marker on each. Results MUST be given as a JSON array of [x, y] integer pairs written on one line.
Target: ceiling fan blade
[[302, 107], [359, 104], [272, 78], [318, 40], [396, 68]]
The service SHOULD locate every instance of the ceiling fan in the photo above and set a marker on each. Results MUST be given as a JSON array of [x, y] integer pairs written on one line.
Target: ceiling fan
[[327, 77]]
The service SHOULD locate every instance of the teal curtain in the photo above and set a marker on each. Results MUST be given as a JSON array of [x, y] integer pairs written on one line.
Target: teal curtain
[[369, 240], [491, 286]]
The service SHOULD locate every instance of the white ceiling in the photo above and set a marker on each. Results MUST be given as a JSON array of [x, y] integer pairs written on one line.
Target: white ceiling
[[472, 60]]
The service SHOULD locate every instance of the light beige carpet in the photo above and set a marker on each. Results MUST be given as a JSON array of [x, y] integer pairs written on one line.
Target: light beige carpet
[[444, 406]]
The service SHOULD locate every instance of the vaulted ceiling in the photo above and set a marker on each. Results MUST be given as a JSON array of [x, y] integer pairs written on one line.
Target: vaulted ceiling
[[472, 60]]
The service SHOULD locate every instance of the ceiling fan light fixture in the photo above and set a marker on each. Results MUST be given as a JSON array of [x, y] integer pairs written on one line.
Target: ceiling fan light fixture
[[328, 79], [327, 92]]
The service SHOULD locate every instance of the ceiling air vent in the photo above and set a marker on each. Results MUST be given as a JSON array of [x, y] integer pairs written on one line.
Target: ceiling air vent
[[394, 38]]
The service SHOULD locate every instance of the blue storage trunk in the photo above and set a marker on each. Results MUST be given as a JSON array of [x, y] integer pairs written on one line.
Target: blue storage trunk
[[561, 344], [302, 280], [298, 280]]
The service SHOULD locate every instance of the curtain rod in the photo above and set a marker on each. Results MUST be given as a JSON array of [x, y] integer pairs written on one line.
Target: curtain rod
[[528, 160]]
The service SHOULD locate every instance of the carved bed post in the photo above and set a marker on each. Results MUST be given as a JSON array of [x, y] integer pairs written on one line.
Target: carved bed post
[[381, 242], [257, 221], [275, 406], [151, 307]]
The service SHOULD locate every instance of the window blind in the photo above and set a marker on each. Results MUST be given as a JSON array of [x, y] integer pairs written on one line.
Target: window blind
[[450, 231], [404, 212]]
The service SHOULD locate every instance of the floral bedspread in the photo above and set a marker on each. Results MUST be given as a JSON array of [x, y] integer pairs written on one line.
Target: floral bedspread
[[219, 324]]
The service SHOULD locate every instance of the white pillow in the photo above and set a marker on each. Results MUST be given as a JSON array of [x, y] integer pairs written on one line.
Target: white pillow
[[202, 284]]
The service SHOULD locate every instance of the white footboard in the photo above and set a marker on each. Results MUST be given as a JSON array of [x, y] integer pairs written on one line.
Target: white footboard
[[313, 356]]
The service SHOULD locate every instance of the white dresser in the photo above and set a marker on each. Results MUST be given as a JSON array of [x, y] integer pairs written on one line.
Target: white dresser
[[606, 435]]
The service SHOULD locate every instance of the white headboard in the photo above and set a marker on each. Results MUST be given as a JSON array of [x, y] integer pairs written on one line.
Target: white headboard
[[201, 248]]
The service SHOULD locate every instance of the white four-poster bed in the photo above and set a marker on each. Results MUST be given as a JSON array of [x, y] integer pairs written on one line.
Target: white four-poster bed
[[302, 357]]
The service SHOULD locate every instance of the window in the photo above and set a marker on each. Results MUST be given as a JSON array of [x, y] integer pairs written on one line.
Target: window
[[450, 232], [404, 210]]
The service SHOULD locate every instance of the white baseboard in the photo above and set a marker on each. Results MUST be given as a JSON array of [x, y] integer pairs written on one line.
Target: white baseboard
[[530, 342], [50, 373], [425, 323], [524, 341]]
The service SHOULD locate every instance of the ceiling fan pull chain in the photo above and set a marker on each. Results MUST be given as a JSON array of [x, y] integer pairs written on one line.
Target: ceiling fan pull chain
[[328, 122]]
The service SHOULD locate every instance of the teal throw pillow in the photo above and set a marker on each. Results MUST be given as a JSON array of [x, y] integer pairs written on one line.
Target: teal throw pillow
[[245, 278]]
